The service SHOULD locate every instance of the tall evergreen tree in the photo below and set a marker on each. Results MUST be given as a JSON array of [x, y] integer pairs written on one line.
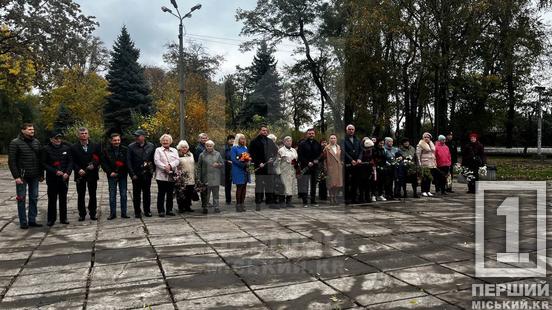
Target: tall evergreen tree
[[127, 84], [64, 119], [265, 99]]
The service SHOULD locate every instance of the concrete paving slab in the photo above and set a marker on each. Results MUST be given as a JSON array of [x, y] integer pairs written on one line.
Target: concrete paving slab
[[375, 288]]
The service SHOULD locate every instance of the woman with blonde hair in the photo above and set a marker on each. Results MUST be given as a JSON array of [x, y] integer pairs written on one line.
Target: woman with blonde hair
[[240, 175], [185, 180], [425, 152], [334, 167], [166, 162]]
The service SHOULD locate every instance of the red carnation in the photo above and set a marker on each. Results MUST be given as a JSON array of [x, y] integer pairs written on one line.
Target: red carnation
[[95, 157], [56, 164], [119, 163]]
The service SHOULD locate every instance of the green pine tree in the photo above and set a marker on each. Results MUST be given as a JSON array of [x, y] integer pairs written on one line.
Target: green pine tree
[[64, 119], [265, 100], [128, 87]]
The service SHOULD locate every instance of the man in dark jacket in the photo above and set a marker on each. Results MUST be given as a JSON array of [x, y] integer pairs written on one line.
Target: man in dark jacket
[[473, 157], [140, 168], [56, 159], [352, 149], [228, 168], [453, 148], [309, 152], [86, 163], [26, 169], [263, 152], [201, 139], [114, 164]]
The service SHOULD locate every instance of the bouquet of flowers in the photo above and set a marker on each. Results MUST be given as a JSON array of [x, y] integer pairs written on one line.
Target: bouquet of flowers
[[246, 159], [465, 172], [483, 171], [411, 167]]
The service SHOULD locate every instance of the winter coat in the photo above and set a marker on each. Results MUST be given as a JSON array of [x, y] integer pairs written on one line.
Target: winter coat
[[115, 160], [198, 150], [57, 158], [240, 174], [426, 154], [139, 157], [473, 155], [24, 158], [453, 148], [82, 158], [161, 158], [442, 155], [334, 167], [351, 150], [186, 168], [287, 170], [207, 173], [262, 150]]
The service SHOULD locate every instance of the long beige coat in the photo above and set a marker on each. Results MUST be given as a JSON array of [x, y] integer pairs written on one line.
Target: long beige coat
[[287, 170], [334, 167]]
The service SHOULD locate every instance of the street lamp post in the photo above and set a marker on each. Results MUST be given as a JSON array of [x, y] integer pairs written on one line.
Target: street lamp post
[[181, 91], [540, 90]]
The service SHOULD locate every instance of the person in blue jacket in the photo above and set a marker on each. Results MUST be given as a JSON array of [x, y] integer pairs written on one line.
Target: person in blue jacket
[[240, 174]]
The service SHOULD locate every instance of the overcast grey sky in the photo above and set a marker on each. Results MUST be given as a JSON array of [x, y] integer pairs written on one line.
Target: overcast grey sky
[[214, 26]]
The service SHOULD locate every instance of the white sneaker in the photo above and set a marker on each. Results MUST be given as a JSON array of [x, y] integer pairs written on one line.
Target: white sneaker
[[381, 198], [430, 194], [374, 198], [305, 206], [425, 194]]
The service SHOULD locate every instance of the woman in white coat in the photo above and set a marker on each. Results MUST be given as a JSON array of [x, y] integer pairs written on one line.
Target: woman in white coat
[[288, 160], [166, 162]]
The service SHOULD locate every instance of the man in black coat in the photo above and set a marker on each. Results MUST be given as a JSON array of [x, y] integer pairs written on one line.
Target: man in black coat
[[56, 159], [141, 168], [352, 150], [114, 164], [228, 168], [27, 171], [473, 157], [309, 152], [201, 139], [86, 163], [263, 152]]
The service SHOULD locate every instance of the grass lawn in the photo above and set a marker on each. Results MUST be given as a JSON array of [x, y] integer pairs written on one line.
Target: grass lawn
[[519, 168]]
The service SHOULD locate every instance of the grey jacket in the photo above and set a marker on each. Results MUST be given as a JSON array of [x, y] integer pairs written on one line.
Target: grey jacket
[[24, 158], [207, 173]]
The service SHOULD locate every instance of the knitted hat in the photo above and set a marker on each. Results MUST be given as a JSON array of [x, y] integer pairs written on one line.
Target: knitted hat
[[427, 134], [368, 142], [441, 138]]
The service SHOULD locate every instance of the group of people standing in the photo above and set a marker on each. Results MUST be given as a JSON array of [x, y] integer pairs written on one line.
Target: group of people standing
[[367, 170]]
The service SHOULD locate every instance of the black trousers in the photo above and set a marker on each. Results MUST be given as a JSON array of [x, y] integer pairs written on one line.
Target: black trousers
[[141, 189], [303, 184], [366, 188], [322, 190], [165, 190], [351, 183], [471, 185], [388, 177], [57, 191], [264, 188], [92, 186], [228, 185], [441, 181], [426, 181]]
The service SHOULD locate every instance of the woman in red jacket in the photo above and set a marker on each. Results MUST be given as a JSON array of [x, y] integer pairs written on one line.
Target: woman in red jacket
[[443, 159]]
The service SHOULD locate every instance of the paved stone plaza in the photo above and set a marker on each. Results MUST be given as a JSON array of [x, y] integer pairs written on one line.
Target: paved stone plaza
[[393, 255]]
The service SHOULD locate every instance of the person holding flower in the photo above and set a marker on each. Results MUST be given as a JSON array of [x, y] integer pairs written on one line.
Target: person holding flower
[[473, 158], [288, 160], [56, 159], [425, 153], [241, 160], [86, 163], [113, 161], [185, 178]]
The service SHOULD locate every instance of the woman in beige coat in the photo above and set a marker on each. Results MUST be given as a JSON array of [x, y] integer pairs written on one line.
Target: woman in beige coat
[[287, 161], [425, 152], [334, 168]]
